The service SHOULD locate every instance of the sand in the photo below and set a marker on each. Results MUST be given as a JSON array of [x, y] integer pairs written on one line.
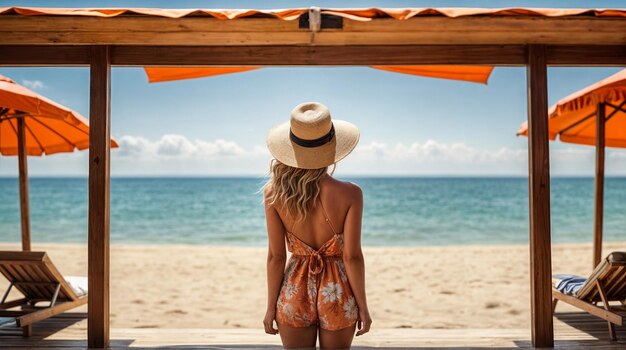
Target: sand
[[175, 286]]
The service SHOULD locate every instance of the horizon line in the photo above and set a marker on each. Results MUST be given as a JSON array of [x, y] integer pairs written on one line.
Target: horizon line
[[250, 176]]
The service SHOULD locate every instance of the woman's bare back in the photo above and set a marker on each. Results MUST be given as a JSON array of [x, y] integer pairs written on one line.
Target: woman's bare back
[[336, 197]]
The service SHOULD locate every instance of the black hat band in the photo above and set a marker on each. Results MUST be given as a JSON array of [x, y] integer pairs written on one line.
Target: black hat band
[[313, 143]]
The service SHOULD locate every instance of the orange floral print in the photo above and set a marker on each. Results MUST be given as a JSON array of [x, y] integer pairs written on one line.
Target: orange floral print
[[315, 288]]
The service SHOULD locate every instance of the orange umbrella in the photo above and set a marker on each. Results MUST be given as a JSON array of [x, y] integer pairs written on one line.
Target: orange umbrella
[[595, 115], [31, 124], [476, 74], [573, 118]]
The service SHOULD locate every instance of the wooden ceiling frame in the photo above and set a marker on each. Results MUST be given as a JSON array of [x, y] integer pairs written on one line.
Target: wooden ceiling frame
[[534, 42]]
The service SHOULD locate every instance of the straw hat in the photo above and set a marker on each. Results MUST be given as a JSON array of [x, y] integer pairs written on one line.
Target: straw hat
[[311, 139]]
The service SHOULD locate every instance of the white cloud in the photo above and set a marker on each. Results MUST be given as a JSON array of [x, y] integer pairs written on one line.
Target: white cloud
[[173, 145], [34, 84], [174, 154], [432, 151]]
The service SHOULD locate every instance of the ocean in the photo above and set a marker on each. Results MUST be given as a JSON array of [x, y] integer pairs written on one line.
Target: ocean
[[228, 211]]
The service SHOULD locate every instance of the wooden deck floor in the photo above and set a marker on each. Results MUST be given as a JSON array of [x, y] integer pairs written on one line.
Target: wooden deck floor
[[572, 331]]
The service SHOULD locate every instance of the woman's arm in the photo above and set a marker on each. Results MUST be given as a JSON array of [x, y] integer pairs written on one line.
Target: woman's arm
[[276, 258], [353, 258]]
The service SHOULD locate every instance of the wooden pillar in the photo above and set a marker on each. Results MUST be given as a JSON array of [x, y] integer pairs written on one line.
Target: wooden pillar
[[539, 198], [23, 179], [99, 160], [599, 183]]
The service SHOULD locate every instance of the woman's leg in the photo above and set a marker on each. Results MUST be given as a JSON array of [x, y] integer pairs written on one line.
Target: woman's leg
[[297, 337], [340, 339]]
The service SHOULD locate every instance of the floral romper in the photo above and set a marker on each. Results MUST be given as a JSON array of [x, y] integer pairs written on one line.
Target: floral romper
[[315, 288]]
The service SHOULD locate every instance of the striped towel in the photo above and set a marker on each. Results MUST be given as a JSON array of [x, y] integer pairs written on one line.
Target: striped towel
[[7, 321], [568, 284]]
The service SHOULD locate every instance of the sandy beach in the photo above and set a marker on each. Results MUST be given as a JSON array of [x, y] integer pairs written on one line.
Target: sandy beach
[[176, 286]]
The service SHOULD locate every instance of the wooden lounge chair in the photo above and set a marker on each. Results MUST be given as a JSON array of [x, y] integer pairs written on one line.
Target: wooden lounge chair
[[34, 275], [607, 283]]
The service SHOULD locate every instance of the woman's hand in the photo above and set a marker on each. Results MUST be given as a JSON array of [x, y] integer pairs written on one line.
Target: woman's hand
[[364, 323], [268, 321]]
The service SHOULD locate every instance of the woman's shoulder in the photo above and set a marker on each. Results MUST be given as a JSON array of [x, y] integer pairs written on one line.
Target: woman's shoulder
[[347, 188]]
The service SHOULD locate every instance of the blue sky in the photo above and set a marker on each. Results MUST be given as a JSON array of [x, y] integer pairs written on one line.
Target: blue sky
[[409, 125]]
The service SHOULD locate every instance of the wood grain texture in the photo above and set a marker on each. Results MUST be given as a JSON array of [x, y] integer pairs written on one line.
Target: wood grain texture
[[319, 55], [586, 55], [44, 55], [598, 217], [573, 330], [281, 55], [99, 173], [23, 179], [138, 30], [602, 313], [539, 198]]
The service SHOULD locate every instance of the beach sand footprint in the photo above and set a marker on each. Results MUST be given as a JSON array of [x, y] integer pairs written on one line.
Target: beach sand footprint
[[492, 305], [176, 312]]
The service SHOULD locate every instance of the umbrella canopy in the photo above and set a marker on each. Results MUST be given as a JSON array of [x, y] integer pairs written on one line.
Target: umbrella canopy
[[31, 124], [475, 74], [49, 127], [573, 118], [595, 115]]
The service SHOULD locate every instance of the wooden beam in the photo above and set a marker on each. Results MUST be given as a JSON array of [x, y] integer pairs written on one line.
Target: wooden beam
[[599, 184], [420, 30], [44, 55], [30, 318], [539, 198], [586, 55], [604, 314], [23, 178], [99, 171], [13, 303], [319, 55], [273, 55]]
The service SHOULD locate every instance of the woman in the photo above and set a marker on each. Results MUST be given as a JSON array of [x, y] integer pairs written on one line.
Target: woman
[[318, 218]]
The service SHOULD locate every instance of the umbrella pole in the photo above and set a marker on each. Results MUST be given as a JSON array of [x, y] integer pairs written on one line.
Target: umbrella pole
[[23, 178], [599, 183]]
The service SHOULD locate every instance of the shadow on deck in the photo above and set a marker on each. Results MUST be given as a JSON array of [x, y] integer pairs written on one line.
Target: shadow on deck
[[573, 330]]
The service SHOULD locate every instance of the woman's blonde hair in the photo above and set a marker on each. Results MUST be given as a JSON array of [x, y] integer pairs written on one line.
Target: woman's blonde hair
[[293, 190]]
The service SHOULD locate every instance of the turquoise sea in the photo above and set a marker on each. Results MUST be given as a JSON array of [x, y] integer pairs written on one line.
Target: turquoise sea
[[398, 211]]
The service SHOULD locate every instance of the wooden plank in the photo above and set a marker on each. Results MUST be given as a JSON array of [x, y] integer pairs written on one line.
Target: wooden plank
[[319, 55], [144, 30], [42, 314], [31, 276], [53, 274], [510, 55], [586, 55], [539, 198], [142, 24], [34, 267], [13, 303], [620, 286], [23, 179], [44, 55], [99, 172], [599, 184], [576, 332], [26, 257], [16, 273], [588, 307], [35, 271]]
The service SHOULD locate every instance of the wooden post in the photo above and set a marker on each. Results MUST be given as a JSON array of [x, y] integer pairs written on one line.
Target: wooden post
[[599, 183], [99, 160], [539, 198], [23, 178]]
